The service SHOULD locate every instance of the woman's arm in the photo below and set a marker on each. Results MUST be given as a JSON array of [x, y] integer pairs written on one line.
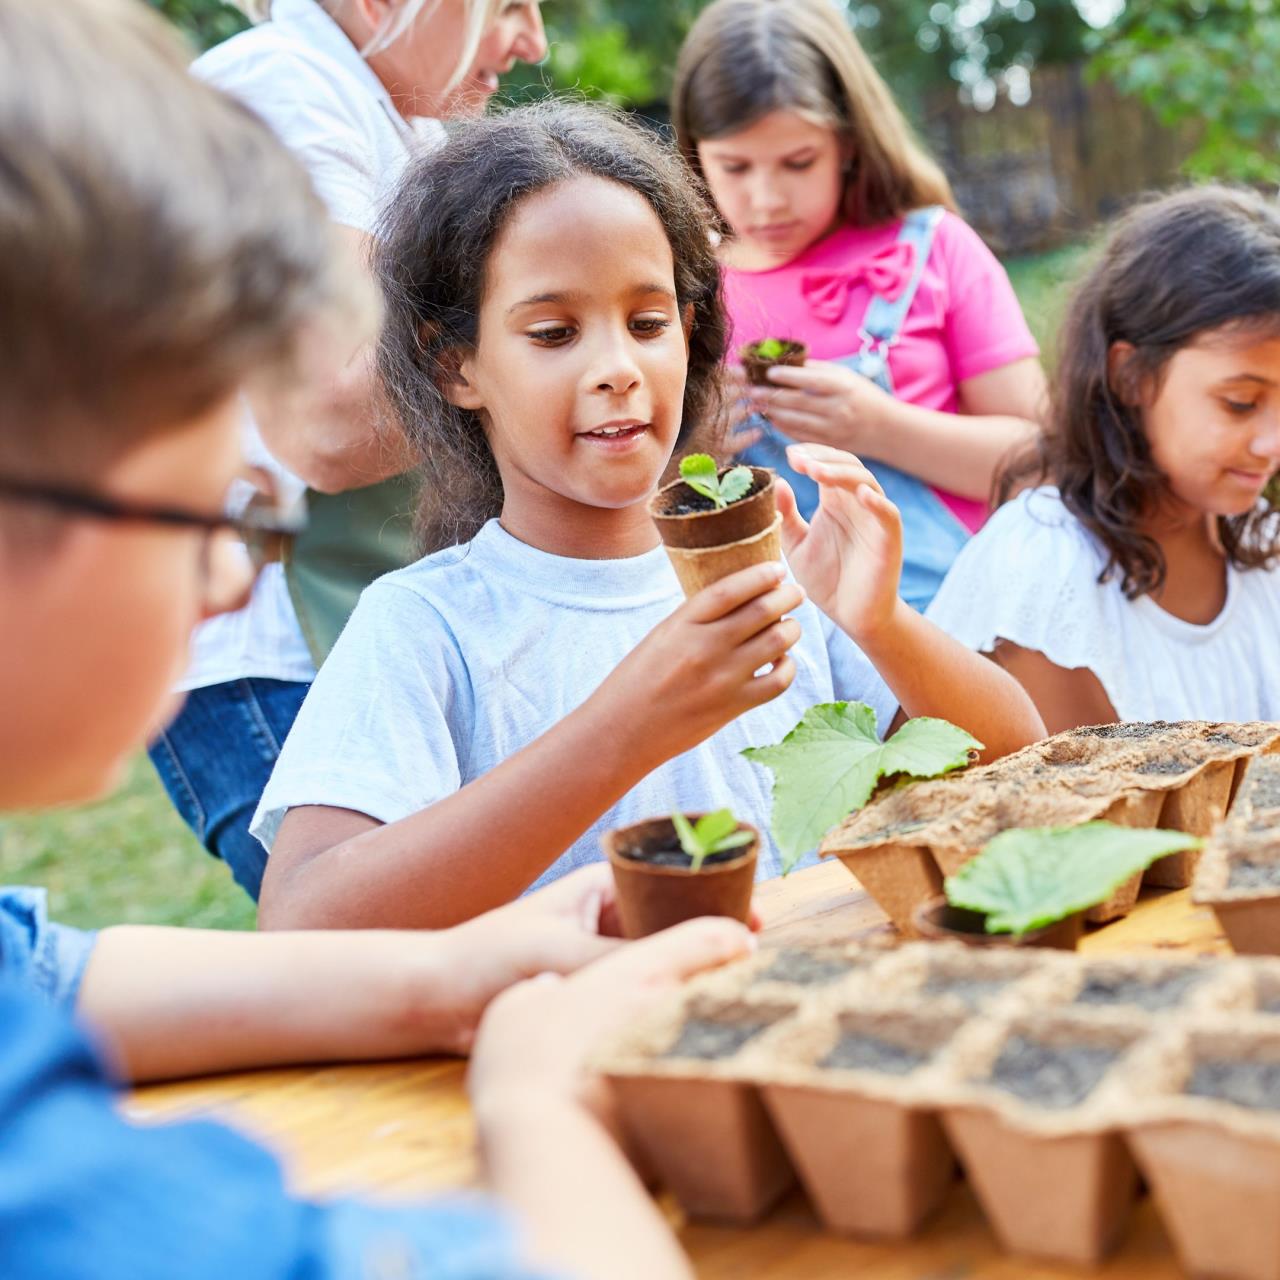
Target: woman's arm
[[829, 404], [333, 428], [181, 1002], [1066, 698], [486, 843]]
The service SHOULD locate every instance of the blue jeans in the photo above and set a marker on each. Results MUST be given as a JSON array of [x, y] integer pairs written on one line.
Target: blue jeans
[[215, 759]]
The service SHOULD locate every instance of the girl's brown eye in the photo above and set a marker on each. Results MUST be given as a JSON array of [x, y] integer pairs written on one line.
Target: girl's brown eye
[[1239, 406]]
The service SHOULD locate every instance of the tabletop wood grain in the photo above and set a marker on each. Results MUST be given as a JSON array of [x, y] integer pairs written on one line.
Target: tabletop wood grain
[[403, 1130]]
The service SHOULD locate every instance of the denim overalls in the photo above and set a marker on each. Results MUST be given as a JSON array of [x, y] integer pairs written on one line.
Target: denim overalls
[[931, 533]]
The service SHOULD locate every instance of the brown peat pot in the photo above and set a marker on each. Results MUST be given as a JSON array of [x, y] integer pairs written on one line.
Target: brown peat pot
[[705, 546], [653, 896], [937, 920], [757, 367]]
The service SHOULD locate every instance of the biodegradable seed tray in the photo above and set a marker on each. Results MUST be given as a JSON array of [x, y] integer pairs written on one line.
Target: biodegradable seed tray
[[843, 1088], [1205, 1130], [690, 1111], [1239, 877], [1030, 1106], [1180, 775], [1148, 988]]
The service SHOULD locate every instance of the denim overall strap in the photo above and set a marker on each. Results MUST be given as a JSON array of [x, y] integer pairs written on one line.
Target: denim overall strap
[[931, 534]]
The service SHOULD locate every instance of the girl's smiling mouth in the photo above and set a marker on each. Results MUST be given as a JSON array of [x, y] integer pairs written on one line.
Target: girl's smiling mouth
[[616, 433]]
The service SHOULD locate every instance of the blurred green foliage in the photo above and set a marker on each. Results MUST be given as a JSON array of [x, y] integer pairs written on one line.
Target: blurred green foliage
[[205, 22], [1210, 65]]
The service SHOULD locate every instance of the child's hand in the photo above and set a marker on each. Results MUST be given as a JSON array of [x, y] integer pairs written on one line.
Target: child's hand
[[696, 671], [849, 556], [822, 402], [535, 1039]]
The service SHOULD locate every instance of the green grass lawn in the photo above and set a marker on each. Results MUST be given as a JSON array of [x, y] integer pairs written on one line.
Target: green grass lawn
[[130, 859]]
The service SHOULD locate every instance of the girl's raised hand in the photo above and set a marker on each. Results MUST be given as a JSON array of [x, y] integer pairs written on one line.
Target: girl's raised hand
[[848, 557], [721, 653]]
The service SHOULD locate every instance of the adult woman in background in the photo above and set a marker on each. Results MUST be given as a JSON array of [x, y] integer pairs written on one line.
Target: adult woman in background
[[352, 87]]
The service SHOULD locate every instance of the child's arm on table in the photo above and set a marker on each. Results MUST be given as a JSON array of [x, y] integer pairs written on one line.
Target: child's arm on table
[[849, 559], [178, 1002], [486, 843], [544, 1125]]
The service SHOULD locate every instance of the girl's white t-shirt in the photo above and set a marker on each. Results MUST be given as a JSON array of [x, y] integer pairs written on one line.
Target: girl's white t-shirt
[[308, 82], [450, 666], [1031, 577]]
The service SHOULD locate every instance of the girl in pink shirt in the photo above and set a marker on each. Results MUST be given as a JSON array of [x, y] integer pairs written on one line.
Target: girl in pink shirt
[[841, 234]]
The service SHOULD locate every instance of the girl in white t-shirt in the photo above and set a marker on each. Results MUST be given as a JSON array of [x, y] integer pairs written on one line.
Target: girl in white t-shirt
[[554, 335], [1138, 581]]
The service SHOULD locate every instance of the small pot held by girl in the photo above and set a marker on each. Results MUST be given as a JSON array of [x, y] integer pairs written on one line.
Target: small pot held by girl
[[706, 544], [938, 921], [657, 886], [757, 366]]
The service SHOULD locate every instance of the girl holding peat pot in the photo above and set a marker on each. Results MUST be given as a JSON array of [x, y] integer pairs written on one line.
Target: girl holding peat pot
[[1137, 580], [842, 235], [489, 711]]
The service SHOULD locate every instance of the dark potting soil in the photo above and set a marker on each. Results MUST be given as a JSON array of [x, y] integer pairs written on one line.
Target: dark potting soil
[[807, 968], [891, 832], [1247, 1084], [1164, 992], [1220, 739], [1164, 768], [1054, 1076], [855, 1051], [712, 1038], [1137, 731], [973, 992], [689, 503], [673, 855], [1249, 874]]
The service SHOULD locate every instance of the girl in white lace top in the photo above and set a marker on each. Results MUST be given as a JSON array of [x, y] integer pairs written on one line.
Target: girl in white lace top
[[1139, 580]]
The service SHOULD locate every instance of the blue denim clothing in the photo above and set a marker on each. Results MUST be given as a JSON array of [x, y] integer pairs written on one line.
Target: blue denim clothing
[[86, 1196], [45, 959], [931, 534], [215, 759]]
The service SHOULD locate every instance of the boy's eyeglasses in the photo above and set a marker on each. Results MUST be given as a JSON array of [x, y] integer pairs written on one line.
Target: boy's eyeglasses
[[234, 550]]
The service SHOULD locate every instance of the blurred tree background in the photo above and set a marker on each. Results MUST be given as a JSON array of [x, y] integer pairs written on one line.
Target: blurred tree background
[[1208, 67]]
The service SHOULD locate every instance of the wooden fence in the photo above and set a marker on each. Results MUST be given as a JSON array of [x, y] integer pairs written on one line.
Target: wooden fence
[[1035, 176]]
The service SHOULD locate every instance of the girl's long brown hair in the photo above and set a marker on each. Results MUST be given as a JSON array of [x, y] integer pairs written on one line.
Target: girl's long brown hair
[[746, 58], [1175, 268]]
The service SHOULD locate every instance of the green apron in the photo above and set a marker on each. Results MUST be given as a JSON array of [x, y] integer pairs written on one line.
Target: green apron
[[351, 538]]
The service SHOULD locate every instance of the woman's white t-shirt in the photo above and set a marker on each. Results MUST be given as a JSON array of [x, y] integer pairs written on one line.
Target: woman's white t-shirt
[[1031, 577], [308, 82], [450, 666]]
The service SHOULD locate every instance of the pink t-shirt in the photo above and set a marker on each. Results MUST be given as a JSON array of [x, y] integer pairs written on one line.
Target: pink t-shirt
[[964, 321]]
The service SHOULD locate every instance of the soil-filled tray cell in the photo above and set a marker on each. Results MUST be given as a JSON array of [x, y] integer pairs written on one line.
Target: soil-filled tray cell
[[1152, 993], [813, 967], [1239, 877], [972, 979], [1207, 1137], [692, 1112], [843, 1092], [1028, 1113]]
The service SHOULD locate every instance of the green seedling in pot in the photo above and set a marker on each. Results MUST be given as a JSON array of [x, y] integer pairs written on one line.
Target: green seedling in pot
[[830, 763], [712, 833], [700, 473], [770, 349], [1027, 879]]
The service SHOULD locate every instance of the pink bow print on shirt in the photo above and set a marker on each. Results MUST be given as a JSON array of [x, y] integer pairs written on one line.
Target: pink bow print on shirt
[[886, 272]]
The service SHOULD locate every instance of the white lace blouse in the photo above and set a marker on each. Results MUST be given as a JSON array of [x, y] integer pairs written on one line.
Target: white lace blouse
[[1031, 577]]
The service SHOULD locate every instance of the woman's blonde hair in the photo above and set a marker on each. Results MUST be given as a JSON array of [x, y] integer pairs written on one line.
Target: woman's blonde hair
[[479, 14], [746, 58]]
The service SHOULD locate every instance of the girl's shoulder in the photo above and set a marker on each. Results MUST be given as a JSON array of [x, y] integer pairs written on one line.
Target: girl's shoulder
[[1030, 576]]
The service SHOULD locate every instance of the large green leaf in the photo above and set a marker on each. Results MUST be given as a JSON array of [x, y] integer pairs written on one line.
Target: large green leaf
[[829, 764], [1032, 877]]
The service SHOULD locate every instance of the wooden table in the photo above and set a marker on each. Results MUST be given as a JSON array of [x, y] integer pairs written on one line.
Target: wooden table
[[403, 1130]]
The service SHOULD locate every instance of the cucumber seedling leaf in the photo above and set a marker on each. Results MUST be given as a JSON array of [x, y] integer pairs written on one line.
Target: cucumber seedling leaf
[[830, 763], [700, 473], [713, 833], [1035, 876]]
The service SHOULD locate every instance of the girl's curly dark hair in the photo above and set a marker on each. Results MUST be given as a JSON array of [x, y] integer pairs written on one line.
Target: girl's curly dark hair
[[433, 247], [1176, 267]]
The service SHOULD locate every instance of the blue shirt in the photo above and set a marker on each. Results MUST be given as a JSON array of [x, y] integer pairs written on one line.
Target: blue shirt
[[86, 1196]]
